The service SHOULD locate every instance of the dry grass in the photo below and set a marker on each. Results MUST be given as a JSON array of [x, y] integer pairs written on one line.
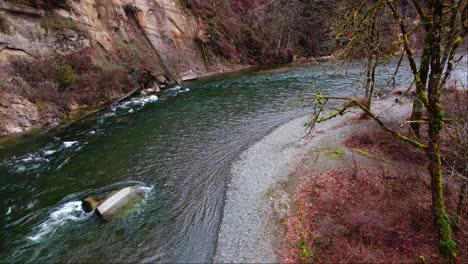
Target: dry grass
[[376, 216], [374, 140], [363, 215]]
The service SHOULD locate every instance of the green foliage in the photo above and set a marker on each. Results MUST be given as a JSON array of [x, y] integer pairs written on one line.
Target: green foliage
[[39, 106], [64, 76], [335, 153], [213, 30], [58, 23], [362, 152], [127, 52], [3, 26], [59, 3], [204, 51], [99, 3], [446, 244], [304, 252]]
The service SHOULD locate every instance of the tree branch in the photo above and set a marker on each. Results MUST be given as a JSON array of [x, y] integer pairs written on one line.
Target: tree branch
[[320, 97]]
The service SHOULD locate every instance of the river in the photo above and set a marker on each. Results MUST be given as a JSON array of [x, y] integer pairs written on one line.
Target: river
[[179, 147]]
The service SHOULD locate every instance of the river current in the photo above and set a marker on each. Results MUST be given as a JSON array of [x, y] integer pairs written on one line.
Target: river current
[[178, 146]]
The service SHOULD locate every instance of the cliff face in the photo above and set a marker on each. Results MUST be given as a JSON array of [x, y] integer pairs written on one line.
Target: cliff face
[[94, 37], [29, 31]]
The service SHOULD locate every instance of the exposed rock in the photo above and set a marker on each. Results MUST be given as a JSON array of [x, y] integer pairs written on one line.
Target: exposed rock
[[152, 90], [19, 8], [188, 76], [17, 114], [156, 88], [35, 33], [66, 42], [119, 202], [90, 203], [161, 79]]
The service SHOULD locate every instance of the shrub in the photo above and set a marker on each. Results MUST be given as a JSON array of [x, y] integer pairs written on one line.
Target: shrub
[[128, 53], [80, 62], [64, 76], [35, 71], [374, 140], [58, 23], [3, 26], [59, 3]]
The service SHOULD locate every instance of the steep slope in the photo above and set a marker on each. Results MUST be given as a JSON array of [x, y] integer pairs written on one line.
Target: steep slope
[[60, 55]]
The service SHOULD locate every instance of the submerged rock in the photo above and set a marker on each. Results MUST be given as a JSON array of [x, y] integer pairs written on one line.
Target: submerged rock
[[114, 204]]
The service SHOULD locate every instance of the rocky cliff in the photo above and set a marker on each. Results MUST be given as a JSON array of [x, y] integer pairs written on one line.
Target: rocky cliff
[[52, 56]]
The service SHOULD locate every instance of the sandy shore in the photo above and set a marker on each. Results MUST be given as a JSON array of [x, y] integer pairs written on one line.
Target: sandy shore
[[248, 232]]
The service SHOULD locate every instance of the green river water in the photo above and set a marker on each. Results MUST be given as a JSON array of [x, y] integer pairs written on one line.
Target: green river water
[[179, 148]]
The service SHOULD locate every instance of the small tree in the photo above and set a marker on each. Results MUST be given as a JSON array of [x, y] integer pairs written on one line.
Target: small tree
[[364, 29], [445, 24], [64, 76]]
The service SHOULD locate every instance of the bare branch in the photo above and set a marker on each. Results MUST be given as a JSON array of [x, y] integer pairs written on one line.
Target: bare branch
[[321, 98]]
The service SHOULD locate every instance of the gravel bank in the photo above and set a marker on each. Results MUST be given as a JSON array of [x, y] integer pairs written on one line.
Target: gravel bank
[[246, 233]]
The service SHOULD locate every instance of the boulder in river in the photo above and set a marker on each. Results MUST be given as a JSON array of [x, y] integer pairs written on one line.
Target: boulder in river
[[119, 202], [114, 204], [90, 203]]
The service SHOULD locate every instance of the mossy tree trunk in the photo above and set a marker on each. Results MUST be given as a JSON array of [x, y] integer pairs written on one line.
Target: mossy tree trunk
[[432, 20], [446, 245], [445, 25], [417, 111]]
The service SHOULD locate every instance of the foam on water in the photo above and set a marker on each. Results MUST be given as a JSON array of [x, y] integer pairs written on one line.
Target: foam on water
[[69, 212], [175, 88], [41, 157], [68, 144], [33, 157], [146, 190], [49, 152], [137, 102]]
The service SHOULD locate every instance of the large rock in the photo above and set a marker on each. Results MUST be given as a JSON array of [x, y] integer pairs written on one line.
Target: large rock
[[90, 203], [118, 202], [188, 76], [17, 114]]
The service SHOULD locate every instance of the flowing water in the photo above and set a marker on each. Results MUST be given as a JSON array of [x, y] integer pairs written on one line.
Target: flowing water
[[178, 148]]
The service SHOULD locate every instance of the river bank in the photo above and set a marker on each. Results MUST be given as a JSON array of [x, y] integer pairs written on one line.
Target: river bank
[[265, 178], [20, 116]]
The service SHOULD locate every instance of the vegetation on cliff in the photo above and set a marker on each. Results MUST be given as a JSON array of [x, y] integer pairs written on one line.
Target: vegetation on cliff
[[259, 32]]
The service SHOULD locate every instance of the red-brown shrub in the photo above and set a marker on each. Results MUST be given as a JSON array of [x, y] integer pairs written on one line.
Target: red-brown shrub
[[375, 217], [374, 140], [454, 136], [81, 62]]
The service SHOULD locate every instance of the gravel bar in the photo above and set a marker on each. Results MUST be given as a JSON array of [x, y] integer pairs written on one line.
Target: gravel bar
[[246, 234]]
